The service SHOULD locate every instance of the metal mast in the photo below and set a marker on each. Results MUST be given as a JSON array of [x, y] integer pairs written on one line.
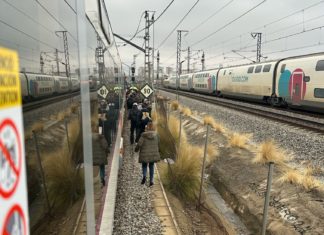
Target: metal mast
[[259, 35], [57, 62], [147, 48], [66, 52], [100, 59], [203, 61], [188, 60], [179, 52], [157, 65]]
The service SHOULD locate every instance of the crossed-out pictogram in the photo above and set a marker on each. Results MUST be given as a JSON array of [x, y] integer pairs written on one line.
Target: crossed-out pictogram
[[10, 157]]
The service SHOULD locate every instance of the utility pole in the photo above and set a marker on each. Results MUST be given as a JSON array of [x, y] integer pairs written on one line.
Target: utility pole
[[41, 63], [152, 23], [66, 52], [57, 62], [157, 65], [188, 60], [179, 53], [203, 61], [100, 59], [147, 48], [258, 35]]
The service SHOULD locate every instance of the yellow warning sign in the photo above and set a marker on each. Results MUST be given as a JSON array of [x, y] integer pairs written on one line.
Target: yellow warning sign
[[9, 79]]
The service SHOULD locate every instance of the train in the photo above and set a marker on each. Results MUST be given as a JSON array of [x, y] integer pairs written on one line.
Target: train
[[288, 82], [38, 86]]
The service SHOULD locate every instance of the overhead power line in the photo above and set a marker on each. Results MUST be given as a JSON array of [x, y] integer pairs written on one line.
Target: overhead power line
[[270, 23], [139, 23], [182, 19], [165, 9], [209, 17], [229, 23]]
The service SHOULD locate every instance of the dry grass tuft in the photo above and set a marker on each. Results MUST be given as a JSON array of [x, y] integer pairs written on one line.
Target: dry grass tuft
[[291, 176], [174, 105], [183, 177], [269, 152], [212, 153], [64, 180], [209, 120], [239, 140], [38, 127], [174, 127], [309, 183], [74, 108], [63, 114], [186, 111]]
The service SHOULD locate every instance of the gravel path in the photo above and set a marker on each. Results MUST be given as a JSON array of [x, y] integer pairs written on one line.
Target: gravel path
[[134, 212], [305, 145]]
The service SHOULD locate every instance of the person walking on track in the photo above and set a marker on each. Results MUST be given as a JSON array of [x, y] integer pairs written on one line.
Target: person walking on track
[[148, 147], [133, 117]]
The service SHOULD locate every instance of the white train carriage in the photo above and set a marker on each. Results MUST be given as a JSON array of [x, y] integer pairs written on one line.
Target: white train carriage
[[300, 81], [74, 84], [24, 87], [173, 82], [186, 81], [40, 85], [166, 83], [252, 81], [61, 84], [205, 81]]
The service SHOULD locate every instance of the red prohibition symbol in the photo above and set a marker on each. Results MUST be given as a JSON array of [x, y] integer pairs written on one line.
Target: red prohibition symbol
[[10, 158], [15, 222]]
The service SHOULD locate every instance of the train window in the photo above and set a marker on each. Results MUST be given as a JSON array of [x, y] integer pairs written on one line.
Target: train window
[[266, 68], [320, 65], [318, 93], [283, 67], [224, 72], [258, 69], [250, 69]]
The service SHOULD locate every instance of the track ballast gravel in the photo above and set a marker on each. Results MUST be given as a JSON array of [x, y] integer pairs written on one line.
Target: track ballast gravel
[[306, 146], [134, 211]]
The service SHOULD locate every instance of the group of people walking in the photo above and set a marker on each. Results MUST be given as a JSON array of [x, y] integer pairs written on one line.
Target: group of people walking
[[142, 132]]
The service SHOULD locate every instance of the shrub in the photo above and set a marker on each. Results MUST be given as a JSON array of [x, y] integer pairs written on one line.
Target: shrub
[[291, 176], [186, 111], [239, 140], [269, 152], [183, 177], [64, 181], [174, 105], [217, 126], [174, 127]]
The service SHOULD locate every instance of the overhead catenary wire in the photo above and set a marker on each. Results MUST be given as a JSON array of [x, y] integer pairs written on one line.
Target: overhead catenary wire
[[270, 23], [139, 23], [209, 17], [165, 9], [182, 19], [229, 23]]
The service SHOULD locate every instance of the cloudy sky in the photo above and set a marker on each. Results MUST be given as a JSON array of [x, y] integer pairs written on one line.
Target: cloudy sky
[[217, 27]]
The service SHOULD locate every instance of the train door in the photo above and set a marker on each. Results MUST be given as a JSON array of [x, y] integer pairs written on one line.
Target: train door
[[210, 88], [213, 79], [297, 86]]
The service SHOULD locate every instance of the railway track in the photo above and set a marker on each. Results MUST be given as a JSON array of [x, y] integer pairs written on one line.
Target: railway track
[[51, 100], [315, 124]]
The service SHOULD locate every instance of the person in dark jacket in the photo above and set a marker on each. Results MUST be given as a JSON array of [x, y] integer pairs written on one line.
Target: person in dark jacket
[[142, 120], [148, 147], [133, 117]]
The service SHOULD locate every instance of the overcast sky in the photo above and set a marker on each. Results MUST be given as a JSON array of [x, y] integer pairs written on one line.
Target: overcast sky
[[276, 34]]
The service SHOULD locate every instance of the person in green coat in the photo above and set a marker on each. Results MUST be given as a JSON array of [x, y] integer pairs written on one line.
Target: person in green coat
[[148, 147]]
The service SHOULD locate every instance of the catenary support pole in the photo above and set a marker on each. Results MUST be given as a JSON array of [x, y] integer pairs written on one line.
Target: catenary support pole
[[203, 167], [267, 199]]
